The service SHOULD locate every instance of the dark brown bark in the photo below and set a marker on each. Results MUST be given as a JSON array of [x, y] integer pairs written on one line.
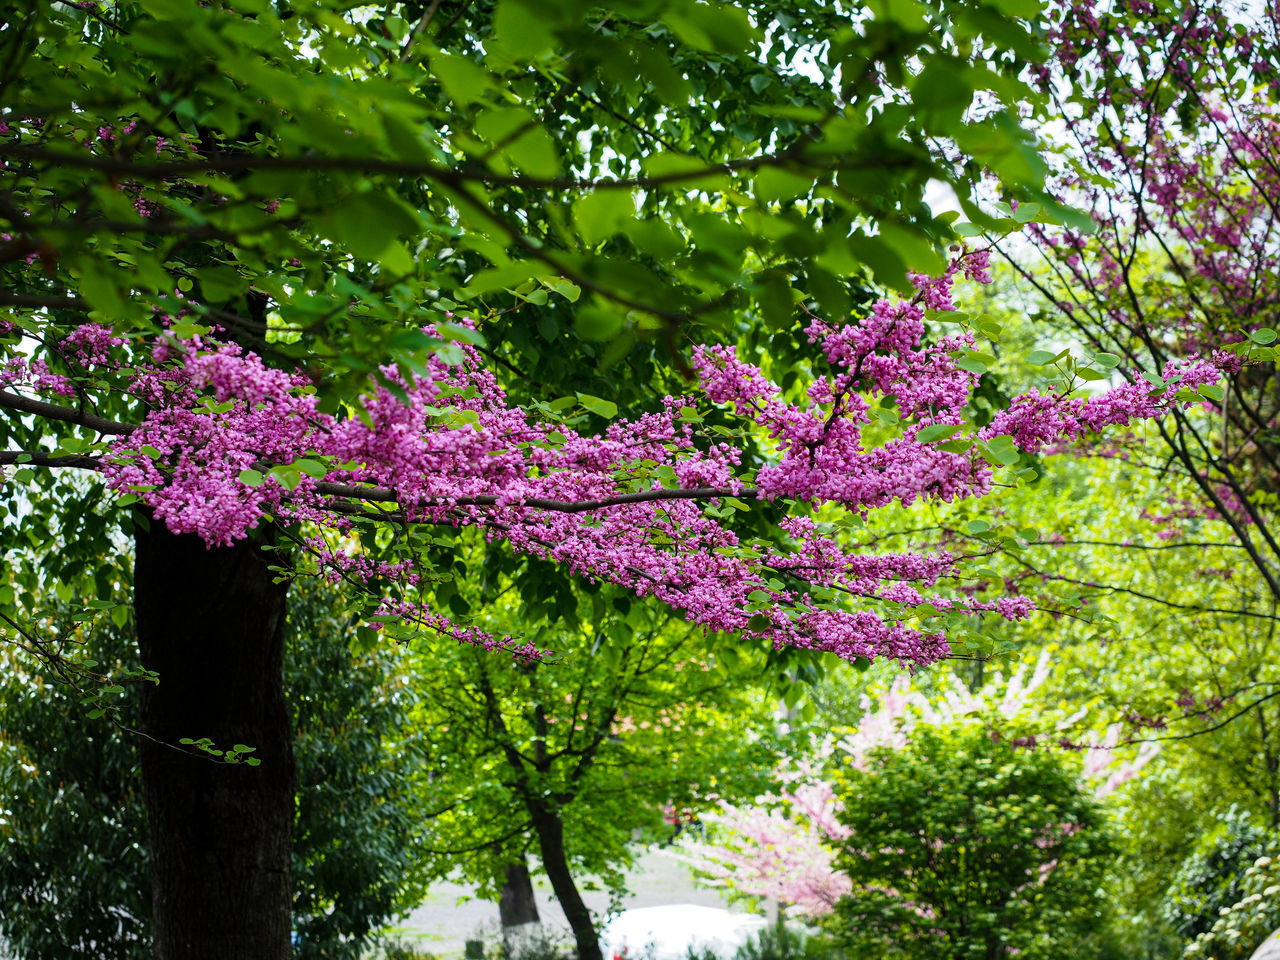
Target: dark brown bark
[[550, 830], [211, 624], [517, 905]]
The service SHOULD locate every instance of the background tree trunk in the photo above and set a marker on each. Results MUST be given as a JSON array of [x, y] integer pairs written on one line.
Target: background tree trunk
[[517, 905], [550, 830], [211, 624]]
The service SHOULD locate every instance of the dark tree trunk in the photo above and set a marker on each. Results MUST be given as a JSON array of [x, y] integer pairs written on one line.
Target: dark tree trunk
[[517, 905], [550, 830], [211, 624]]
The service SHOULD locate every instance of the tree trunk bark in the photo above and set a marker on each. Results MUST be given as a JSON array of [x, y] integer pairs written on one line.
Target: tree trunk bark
[[550, 830], [517, 905], [211, 624]]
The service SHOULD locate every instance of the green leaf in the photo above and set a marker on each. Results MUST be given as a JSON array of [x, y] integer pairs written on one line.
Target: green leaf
[[595, 321], [654, 237], [601, 213], [774, 183], [221, 283], [1263, 335], [716, 28], [522, 30], [405, 138], [523, 141], [98, 286], [666, 163], [251, 478], [1039, 358], [312, 468], [1026, 212], [1001, 451], [463, 80], [942, 89], [604, 408], [917, 251], [287, 476], [570, 291], [938, 431], [884, 262], [396, 258], [368, 224]]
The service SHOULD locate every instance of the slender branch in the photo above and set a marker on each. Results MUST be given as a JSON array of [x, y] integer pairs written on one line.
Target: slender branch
[[51, 411], [1203, 730], [451, 176], [1182, 545], [1112, 588], [35, 458], [418, 28], [379, 495], [39, 302]]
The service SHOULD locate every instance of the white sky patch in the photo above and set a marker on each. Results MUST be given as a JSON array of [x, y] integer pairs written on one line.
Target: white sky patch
[[941, 197]]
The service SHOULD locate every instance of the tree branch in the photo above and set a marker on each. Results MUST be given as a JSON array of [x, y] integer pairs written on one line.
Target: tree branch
[[35, 458], [51, 411], [450, 176], [39, 302]]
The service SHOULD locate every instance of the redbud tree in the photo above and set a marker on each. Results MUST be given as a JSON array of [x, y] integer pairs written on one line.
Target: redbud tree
[[297, 289], [1166, 132]]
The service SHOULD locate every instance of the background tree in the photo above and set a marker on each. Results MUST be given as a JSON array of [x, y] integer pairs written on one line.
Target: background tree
[[1174, 156], [74, 834], [569, 760], [1161, 623]]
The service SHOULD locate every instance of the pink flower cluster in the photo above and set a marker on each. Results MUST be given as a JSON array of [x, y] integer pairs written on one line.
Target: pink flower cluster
[[1035, 419], [229, 440], [93, 345], [783, 848]]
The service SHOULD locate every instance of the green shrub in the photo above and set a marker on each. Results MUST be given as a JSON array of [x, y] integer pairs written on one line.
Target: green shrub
[[966, 847], [402, 950], [1210, 878], [1240, 928]]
